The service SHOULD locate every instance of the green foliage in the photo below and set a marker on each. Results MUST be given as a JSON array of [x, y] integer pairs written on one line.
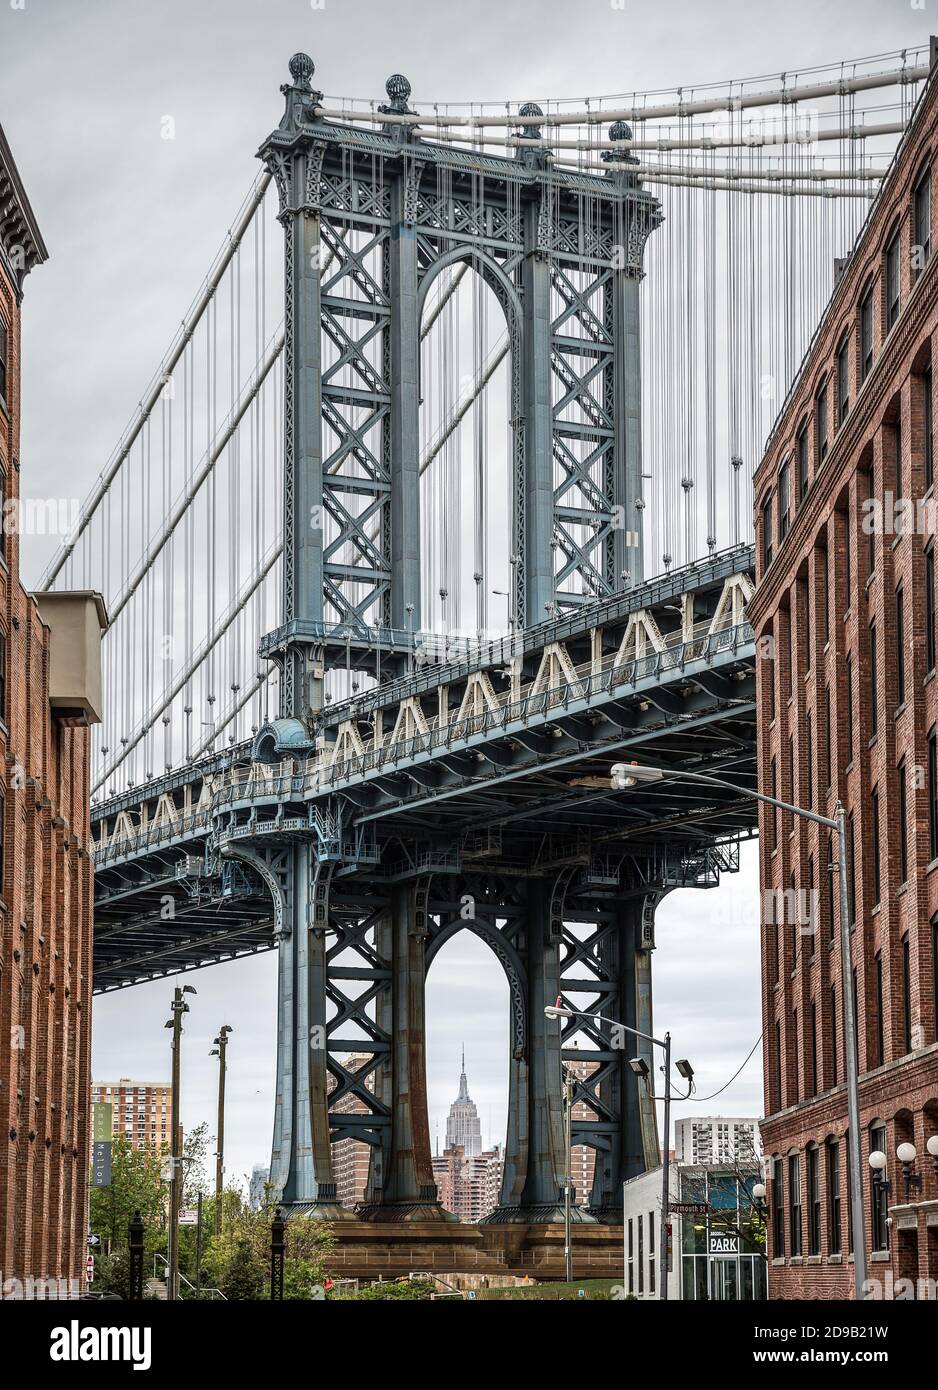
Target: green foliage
[[595, 1290], [410, 1289], [136, 1185], [238, 1261]]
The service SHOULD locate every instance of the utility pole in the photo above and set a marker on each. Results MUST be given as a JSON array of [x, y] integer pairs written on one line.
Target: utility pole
[[568, 1086], [221, 1044], [180, 1007]]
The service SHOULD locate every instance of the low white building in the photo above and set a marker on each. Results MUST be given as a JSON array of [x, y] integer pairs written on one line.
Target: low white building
[[717, 1233]]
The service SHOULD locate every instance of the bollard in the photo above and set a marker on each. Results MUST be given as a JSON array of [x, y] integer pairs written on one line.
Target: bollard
[[135, 1239], [277, 1246]]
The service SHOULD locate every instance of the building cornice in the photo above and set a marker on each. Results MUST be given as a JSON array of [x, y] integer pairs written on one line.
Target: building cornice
[[21, 243]]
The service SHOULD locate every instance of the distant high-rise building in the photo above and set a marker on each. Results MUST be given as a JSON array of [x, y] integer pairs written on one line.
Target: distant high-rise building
[[469, 1185], [260, 1176], [350, 1157], [582, 1156], [463, 1126], [717, 1139], [141, 1111]]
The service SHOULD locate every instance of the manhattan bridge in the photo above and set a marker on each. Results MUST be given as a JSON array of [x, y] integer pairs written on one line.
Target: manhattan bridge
[[438, 506]]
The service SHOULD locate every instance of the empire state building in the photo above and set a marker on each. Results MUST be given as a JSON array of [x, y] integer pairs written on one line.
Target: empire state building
[[463, 1127]]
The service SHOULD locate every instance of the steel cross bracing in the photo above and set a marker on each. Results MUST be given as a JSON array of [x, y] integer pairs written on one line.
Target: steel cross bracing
[[485, 806]]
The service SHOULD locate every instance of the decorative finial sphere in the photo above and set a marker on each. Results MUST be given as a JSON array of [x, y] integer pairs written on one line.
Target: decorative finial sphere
[[530, 108], [397, 87], [302, 68], [620, 130]]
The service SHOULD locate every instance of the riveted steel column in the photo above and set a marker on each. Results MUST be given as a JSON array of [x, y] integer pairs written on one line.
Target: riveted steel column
[[303, 477], [544, 1183], [408, 1182], [628, 539], [538, 421], [621, 1091], [644, 1020], [404, 333]]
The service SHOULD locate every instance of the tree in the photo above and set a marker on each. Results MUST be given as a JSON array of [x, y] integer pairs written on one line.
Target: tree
[[136, 1185], [238, 1261]]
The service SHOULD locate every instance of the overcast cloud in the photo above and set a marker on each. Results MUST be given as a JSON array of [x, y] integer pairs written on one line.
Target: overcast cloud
[[132, 221]]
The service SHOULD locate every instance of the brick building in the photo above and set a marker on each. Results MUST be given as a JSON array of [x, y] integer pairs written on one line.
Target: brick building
[[845, 622], [49, 692], [141, 1111], [350, 1157], [469, 1185]]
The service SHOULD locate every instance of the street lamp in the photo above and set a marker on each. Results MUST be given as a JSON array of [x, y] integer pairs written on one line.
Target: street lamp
[[220, 1051], [640, 1067], [906, 1155], [179, 1007], [625, 776]]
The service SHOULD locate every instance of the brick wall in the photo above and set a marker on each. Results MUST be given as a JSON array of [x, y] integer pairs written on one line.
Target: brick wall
[[45, 923], [828, 588]]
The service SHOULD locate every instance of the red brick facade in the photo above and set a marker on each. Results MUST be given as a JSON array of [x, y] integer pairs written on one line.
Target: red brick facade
[[845, 623], [46, 888]]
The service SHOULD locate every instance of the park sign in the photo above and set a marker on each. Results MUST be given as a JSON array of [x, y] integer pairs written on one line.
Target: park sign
[[723, 1243], [688, 1208]]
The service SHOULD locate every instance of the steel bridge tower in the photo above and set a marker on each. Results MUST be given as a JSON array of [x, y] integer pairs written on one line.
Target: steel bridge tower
[[370, 219]]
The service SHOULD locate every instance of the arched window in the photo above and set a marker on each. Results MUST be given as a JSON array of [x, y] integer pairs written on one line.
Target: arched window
[[921, 221], [866, 331]]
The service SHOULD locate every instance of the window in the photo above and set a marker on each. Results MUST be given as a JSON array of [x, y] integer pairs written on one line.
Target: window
[[921, 223], [880, 1039], [906, 995], [801, 450], [874, 683], [651, 1252], [778, 1051], [828, 762], [794, 1205], [903, 827], [851, 870], [773, 810], [809, 753], [833, 1035], [871, 533], [641, 1256], [814, 1201], [879, 1203], [927, 428], [766, 533], [848, 554], [932, 796], [4, 347], [893, 290], [778, 1209], [833, 1197], [812, 1049], [831, 871], [825, 595], [900, 646], [874, 835], [784, 501], [3, 675], [843, 381], [849, 677], [866, 333], [934, 967], [897, 455], [820, 421], [930, 608]]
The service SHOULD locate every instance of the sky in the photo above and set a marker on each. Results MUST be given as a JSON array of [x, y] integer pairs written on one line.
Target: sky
[[132, 221]]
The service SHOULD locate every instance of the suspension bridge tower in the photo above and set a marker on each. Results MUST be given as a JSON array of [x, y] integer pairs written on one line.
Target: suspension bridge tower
[[371, 218]]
